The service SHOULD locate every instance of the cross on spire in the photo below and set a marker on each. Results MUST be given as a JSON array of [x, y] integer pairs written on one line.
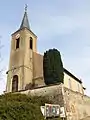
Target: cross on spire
[[26, 7]]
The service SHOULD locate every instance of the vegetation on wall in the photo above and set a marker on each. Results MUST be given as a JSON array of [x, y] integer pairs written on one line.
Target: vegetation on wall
[[21, 107], [52, 67]]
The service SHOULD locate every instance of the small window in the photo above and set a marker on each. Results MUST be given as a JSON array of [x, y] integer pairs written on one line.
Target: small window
[[31, 43], [69, 83], [78, 88], [17, 42]]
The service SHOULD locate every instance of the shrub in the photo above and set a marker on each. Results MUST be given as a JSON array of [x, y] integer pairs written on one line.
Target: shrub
[[21, 107]]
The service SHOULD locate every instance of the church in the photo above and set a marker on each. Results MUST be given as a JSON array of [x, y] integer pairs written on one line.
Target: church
[[26, 64]]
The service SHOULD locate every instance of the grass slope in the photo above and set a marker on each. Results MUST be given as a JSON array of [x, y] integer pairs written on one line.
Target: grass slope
[[21, 107]]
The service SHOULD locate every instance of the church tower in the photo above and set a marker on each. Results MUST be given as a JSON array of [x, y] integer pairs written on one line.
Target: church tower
[[23, 44]]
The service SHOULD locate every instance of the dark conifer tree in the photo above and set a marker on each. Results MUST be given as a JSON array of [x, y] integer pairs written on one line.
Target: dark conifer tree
[[52, 67]]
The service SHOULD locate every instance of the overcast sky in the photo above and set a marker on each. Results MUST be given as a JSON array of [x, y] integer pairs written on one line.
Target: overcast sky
[[61, 24]]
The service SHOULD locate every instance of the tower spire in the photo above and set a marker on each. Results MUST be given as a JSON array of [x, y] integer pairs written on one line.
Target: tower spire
[[25, 22]]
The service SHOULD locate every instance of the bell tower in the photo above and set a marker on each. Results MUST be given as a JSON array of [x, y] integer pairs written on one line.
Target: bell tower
[[23, 44]]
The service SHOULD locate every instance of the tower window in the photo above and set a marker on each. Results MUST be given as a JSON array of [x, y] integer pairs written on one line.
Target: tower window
[[17, 42], [31, 43]]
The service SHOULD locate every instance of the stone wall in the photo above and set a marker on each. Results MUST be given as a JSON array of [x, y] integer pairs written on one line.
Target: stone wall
[[77, 106], [54, 93]]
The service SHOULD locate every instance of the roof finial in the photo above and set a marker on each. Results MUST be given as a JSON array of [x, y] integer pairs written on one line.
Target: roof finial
[[26, 7]]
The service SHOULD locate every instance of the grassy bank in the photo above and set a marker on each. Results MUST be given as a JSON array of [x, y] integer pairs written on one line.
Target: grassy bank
[[21, 107]]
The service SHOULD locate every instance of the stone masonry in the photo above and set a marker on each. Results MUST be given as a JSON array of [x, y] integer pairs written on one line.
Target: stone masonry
[[77, 106]]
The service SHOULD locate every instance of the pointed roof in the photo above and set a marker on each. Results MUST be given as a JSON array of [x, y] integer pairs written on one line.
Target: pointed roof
[[25, 22]]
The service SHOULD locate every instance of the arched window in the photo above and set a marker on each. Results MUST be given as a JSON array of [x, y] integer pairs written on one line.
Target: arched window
[[31, 43], [17, 42], [15, 83]]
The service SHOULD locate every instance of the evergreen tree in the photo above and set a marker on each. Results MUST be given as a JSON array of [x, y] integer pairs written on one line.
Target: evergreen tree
[[52, 67]]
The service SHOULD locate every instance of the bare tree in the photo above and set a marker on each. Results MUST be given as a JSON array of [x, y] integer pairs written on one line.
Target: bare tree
[[1, 69]]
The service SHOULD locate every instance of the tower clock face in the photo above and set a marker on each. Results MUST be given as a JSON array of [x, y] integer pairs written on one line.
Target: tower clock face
[[18, 35]]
